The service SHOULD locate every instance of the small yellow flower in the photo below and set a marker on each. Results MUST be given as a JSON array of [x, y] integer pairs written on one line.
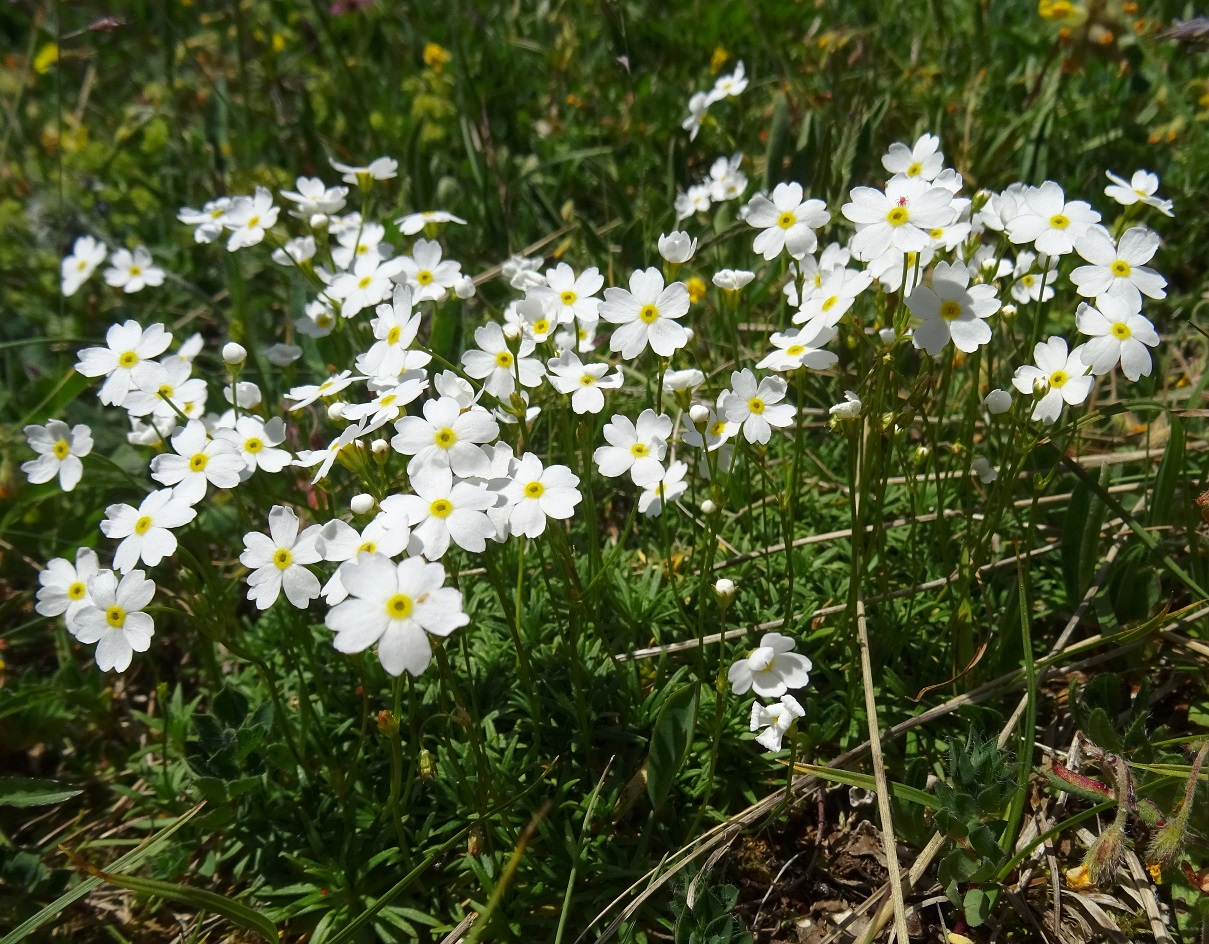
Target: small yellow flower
[[436, 57], [1156, 872], [47, 56], [718, 60], [696, 289], [1078, 877], [278, 42]]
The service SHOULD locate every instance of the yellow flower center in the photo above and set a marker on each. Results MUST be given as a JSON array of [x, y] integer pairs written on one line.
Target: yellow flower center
[[786, 220], [253, 222], [503, 359], [639, 450], [399, 606], [587, 380], [1058, 378], [366, 282], [387, 400], [143, 525], [541, 326], [441, 508], [897, 216], [198, 462], [392, 336], [534, 490], [755, 405], [1028, 280], [135, 270], [368, 547], [61, 449], [445, 437], [324, 320], [115, 616], [1121, 268], [424, 277], [362, 249], [1058, 221], [718, 428], [568, 297], [283, 558], [914, 170], [165, 392], [818, 279], [830, 303], [76, 591], [648, 314], [794, 350], [937, 233], [1121, 331], [128, 359], [81, 265], [950, 310], [253, 444]]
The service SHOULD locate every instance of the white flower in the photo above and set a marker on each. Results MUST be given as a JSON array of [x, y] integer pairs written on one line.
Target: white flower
[[133, 271], [1030, 286], [414, 222], [1058, 376], [569, 298], [771, 669], [732, 280], [837, 289], [677, 247], [247, 395], [209, 220], [635, 448], [677, 380], [198, 461], [669, 488], [441, 511], [429, 277], [776, 720], [446, 436], [536, 493], [306, 394], [144, 531], [850, 409], [757, 408], [924, 159], [449, 384], [696, 200], [277, 561], [647, 314], [395, 606], [901, 218], [494, 363], [282, 355], [1119, 270], [319, 321], [788, 222], [255, 441], [314, 198], [952, 309], [389, 400], [998, 401], [1140, 189], [726, 181], [983, 469], [128, 355], [381, 168], [801, 348], [158, 385], [1048, 221], [248, 219], [728, 86], [698, 105], [367, 285], [77, 268], [114, 620], [362, 242], [1119, 334], [395, 329], [64, 587], [59, 451], [890, 267], [322, 460], [585, 382], [387, 535], [704, 427]]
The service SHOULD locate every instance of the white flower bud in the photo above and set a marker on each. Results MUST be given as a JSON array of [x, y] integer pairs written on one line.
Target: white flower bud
[[724, 593], [708, 507], [233, 354], [698, 414], [379, 447], [677, 247], [464, 287], [361, 504], [335, 411], [998, 401], [512, 332], [886, 335], [732, 280]]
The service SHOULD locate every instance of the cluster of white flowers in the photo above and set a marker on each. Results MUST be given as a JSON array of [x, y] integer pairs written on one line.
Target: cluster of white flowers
[[461, 434], [772, 670], [726, 181], [131, 271], [726, 86]]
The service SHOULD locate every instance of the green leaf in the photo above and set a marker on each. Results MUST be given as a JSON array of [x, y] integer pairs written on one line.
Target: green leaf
[[670, 741], [23, 792], [977, 907], [198, 898], [1167, 480], [777, 136]]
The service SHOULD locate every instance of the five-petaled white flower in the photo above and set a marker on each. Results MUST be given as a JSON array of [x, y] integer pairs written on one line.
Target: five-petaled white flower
[[670, 487], [585, 382], [776, 720], [197, 461], [64, 587], [757, 408], [787, 220], [637, 448], [388, 534], [77, 268], [395, 606], [366, 285], [1060, 377], [277, 561], [1118, 334], [133, 271], [902, 218], [837, 289], [571, 298], [801, 347], [209, 220], [498, 366], [380, 168], [536, 493], [648, 314], [115, 620], [1049, 221], [1141, 188], [1119, 269], [923, 159], [771, 669], [429, 277], [728, 86], [446, 436], [412, 223], [255, 441], [952, 309], [59, 451], [129, 351], [248, 219], [442, 510], [144, 531]]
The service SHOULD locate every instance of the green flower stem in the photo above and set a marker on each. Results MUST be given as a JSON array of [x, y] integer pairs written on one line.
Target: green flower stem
[[394, 807], [512, 611]]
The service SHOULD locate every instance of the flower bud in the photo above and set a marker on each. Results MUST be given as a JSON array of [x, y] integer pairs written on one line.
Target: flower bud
[[379, 447], [677, 248], [233, 355], [464, 288], [361, 504], [886, 335], [335, 410], [708, 507], [512, 334], [998, 401], [428, 764], [698, 415], [724, 593], [388, 724]]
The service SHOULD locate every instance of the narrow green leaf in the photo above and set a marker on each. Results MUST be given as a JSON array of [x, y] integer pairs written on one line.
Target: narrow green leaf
[[24, 792], [777, 138], [852, 779], [670, 741], [198, 898], [1171, 470]]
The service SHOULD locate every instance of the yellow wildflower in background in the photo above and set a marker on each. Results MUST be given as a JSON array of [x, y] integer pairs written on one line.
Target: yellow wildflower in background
[[696, 289], [718, 60], [1062, 11], [436, 56], [47, 56]]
